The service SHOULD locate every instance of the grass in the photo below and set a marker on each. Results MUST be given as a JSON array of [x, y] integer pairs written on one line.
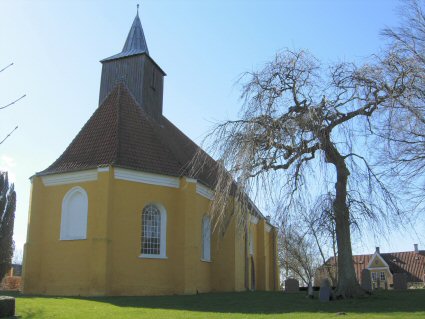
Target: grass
[[386, 304]]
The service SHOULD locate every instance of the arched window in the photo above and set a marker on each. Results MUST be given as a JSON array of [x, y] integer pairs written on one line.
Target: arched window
[[154, 228], [74, 215], [206, 238]]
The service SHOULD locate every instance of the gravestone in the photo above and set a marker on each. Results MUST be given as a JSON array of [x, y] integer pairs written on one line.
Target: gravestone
[[366, 280], [292, 285], [400, 281], [310, 293], [7, 306], [325, 292]]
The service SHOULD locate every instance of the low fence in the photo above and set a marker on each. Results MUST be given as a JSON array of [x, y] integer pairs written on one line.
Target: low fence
[[11, 283]]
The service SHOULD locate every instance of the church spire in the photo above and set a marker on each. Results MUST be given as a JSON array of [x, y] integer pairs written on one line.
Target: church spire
[[136, 41]]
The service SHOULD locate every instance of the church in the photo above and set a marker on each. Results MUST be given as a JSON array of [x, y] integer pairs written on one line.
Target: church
[[119, 212]]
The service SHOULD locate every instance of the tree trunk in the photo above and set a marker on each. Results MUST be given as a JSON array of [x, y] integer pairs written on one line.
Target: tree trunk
[[348, 285]]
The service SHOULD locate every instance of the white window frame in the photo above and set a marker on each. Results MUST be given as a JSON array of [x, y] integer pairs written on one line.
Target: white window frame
[[374, 276], [206, 238], [66, 220], [382, 276], [163, 233]]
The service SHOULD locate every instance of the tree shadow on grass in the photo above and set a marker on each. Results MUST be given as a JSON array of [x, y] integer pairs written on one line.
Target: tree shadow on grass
[[269, 302], [272, 302], [28, 315]]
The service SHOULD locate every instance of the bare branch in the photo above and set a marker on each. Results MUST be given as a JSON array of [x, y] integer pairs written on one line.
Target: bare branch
[[6, 67], [7, 105], [8, 135]]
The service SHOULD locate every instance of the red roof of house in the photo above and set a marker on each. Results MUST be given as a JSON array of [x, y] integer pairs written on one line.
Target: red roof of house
[[411, 263]]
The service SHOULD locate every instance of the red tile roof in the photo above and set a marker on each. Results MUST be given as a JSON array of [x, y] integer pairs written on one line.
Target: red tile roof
[[411, 263], [407, 262], [122, 134]]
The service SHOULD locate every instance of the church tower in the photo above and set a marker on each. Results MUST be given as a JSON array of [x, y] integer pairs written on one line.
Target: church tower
[[134, 67]]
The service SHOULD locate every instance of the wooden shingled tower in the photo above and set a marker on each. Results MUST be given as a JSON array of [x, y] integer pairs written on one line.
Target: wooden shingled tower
[[134, 67]]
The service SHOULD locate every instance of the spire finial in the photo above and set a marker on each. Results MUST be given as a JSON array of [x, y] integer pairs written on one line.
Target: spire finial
[[137, 9]]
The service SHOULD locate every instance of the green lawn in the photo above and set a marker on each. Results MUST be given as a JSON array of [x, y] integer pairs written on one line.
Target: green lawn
[[392, 304]]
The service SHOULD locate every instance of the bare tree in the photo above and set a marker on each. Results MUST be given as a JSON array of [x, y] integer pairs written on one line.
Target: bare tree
[[403, 125], [320, 223], [299, 130], [297, 254], [8, 105], [319, 231], [319, 220]]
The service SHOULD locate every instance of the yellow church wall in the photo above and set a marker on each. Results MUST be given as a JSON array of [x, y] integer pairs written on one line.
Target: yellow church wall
[[261, 257], [100, 261], [47, 257], [266, 259], [252, 232], [129, 273], [108, 262], [182, 271], [235, 240], [223, 264], [197, 272], [265, 265], [240, 257]]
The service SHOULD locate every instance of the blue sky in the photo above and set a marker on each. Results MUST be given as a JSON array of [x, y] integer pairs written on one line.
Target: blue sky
[[203, 46]]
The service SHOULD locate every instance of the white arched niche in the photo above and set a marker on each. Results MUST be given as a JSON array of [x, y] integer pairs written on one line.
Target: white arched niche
[[74, 215]]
